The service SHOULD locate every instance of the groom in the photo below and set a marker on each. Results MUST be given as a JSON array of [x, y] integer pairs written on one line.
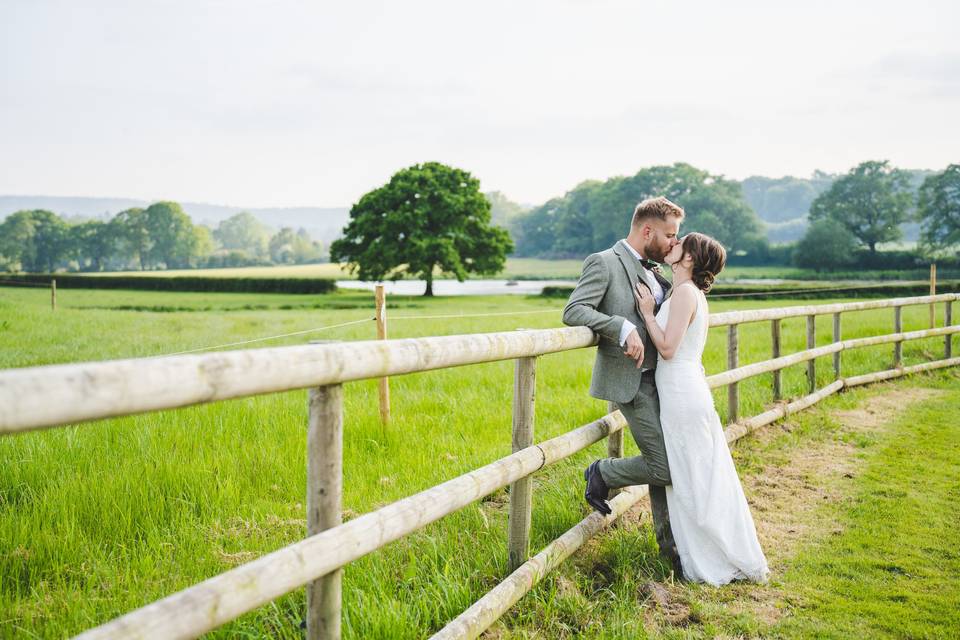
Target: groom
[[626, 357]]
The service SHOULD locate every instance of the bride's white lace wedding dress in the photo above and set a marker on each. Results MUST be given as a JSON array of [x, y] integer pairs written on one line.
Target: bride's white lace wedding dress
[[711, 521]]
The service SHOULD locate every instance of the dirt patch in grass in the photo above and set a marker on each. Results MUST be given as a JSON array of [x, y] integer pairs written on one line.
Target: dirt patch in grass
[[784, 499]]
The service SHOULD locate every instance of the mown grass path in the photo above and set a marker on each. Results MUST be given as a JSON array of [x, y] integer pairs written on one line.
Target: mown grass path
[[856, 505]]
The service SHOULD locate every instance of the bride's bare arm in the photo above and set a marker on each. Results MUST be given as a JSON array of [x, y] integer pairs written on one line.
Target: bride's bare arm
[[683, 304]]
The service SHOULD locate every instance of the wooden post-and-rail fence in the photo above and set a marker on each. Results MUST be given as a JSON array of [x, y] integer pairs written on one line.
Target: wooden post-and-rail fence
[[49, 396]]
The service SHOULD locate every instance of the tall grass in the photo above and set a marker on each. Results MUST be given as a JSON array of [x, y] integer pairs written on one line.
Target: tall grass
[[101, 518]]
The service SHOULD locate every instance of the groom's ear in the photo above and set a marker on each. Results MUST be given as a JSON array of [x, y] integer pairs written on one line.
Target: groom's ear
[[645, 230]]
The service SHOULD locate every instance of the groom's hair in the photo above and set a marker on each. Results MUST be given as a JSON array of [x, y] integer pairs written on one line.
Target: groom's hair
[[658, 207]]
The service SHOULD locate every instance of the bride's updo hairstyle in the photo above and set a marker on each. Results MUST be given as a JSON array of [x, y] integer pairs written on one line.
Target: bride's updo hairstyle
[[709, 257]]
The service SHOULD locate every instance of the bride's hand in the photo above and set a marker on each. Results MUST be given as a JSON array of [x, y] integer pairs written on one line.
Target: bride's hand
[[646, 303]]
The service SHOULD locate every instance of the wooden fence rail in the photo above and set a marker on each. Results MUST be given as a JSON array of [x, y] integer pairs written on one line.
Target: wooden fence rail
[[39, 397]]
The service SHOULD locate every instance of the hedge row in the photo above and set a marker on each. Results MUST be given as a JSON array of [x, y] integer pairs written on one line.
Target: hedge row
[[805, 292], [182, 283]]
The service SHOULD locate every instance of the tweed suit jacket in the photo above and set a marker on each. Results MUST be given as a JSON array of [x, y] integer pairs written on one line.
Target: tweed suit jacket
[[602, 300]]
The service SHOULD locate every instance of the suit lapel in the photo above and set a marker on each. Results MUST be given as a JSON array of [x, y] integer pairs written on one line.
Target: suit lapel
[[630, 263], [627, 260]]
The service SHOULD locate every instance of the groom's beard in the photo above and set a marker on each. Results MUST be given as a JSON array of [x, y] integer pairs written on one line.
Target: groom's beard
[[652, 253]]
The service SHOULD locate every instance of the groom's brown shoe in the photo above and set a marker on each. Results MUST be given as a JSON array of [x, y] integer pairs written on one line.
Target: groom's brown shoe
[[597, 491]]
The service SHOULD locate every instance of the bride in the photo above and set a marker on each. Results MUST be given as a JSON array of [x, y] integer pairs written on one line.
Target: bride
[[711, 522]]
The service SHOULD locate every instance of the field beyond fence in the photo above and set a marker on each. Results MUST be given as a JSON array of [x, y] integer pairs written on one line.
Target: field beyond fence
[[172, 382]]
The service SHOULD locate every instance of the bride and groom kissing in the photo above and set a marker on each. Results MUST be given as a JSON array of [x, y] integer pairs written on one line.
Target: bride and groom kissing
[[649, 362]]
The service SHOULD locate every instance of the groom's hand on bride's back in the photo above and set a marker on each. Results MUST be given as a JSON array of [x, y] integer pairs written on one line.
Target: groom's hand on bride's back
[[634, 347]]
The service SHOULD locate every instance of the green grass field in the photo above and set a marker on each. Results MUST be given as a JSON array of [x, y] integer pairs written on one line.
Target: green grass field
[[529, 269], [101, 518], [525, 268]]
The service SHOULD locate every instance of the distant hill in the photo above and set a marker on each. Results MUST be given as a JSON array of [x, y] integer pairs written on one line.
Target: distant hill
[[322, 223]]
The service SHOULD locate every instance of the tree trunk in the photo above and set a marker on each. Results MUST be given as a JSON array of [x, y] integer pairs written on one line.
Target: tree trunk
[[429, 291]]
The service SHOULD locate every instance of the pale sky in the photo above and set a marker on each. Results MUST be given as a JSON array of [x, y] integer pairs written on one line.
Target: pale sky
[[314, 103]]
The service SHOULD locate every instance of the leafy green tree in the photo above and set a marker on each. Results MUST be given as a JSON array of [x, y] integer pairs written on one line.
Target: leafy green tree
[[534, 230], [596, 214], [133, 235], [171, 235], [51, 240], [37, 240], [287, 247], [827, 245], [243, 232], [201, 245], [94, 242], [281, 246], [429, 216], [503, 210], [16, 241], [305, 249], [938, 208], [870, 201]]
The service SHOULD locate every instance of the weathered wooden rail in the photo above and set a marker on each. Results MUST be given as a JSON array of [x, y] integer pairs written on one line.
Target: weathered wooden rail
[[40, 397]]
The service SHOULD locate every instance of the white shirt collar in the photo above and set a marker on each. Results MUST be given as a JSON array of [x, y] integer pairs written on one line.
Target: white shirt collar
[[632, 250]]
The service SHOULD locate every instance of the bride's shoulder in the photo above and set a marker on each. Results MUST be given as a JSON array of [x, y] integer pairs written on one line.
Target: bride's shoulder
[[690, 292], [690, 296]]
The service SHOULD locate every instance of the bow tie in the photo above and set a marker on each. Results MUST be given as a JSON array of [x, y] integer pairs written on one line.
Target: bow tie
[[649, 265]]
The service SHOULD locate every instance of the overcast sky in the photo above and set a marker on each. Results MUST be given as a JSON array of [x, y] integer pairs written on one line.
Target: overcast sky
[[315, 103]]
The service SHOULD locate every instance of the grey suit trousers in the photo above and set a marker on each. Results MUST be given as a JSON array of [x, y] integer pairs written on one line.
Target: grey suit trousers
[[649, 468]]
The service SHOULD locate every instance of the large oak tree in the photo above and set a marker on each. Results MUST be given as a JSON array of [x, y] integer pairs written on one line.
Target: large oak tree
[[871, 201], [429, 217]]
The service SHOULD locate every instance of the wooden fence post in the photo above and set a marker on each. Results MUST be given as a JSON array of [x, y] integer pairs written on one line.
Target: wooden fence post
[[775, 336], [948, 320], [836, 338], [53, 294], [933, 292], [897, 346], [521, 491], [381, 301], [811, 343], [324, 503], [733, 359]]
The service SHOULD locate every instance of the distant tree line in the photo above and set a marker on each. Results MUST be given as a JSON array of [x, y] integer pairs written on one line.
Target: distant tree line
[[844, 218], [432, 218], [160, 236], [596, 214]]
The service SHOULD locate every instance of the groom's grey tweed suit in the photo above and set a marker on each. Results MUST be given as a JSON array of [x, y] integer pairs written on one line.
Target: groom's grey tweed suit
[[602, 300]]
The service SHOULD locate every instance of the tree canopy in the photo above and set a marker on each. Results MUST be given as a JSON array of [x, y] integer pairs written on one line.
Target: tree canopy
[[36, 239], [870, 201], [243, 232], [596, 214], [938, 208], [826, 245], [428, 217], [171, 235]]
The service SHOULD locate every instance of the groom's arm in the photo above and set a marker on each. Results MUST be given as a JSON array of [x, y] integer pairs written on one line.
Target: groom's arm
[[581, 309]]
